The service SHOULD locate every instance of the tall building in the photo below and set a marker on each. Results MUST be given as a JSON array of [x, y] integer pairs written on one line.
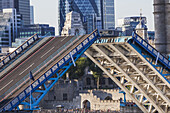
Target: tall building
[[10, 22], [108, 14], [22, 7], [162, 26], [31, 15], [91, 12]]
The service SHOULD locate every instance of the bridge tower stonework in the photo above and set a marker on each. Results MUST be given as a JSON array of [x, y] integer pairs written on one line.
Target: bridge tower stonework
[[162, 26]]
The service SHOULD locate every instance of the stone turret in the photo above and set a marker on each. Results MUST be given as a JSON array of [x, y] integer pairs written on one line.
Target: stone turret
[[141, 29]]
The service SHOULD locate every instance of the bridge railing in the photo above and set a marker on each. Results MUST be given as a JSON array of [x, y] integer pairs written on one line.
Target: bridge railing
[[113, 39], [4, 67], [66, 58], [151, 50], [18, 50], [38, 68]]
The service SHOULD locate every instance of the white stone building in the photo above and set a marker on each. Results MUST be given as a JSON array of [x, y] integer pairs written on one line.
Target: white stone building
[[73, 25]]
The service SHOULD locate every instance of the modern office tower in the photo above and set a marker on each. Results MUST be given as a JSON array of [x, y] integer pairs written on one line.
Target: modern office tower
[[162, 23], [128, 24], [31, 15], [108, 14], [22, 7], [10, 22], [41, 29], [90, 12]]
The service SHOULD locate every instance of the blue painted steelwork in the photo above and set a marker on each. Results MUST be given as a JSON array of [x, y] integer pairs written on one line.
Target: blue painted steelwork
[[38, 68], [114, 39], [19, 50], [60, 68], [143, 46], [123, 103]]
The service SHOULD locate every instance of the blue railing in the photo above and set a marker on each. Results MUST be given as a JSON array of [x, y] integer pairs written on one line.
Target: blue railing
[[151, 50], [38, 68], [18, 50], [89, 40], [113, 40], [20, 55]]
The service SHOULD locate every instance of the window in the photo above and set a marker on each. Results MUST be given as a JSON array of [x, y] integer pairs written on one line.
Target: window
[[110, 81], [64, 96], [102, 81], [88, 81]]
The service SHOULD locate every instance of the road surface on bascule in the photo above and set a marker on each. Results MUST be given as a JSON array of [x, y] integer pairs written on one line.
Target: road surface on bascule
[[29, 64]]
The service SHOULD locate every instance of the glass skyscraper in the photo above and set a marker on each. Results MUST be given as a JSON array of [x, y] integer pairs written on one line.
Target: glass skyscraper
[[108, 14], [22, 7], [91, 12]]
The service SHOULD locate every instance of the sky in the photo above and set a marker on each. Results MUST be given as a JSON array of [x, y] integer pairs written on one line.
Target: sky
[[45, 11]]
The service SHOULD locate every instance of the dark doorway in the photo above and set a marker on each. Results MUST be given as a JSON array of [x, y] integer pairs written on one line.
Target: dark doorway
[[86, 104]]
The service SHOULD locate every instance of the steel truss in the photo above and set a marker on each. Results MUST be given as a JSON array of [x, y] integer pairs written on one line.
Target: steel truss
[[133, 74]]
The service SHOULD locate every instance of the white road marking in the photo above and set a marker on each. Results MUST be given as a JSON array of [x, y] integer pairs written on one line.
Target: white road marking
[[6, 85], [47, 52], [63, 38], [27, 68]]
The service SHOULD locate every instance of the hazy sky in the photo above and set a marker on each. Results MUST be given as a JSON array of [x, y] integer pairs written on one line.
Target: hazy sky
[[45, 11]]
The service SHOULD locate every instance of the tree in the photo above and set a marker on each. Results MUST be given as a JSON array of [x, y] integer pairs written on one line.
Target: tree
[[81, 64]]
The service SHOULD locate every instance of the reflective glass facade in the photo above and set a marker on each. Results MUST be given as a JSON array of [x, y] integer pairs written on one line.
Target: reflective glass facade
[[40, 29], [10, 22], [90, 12], [22, 7], [94, 13], [108, 14]]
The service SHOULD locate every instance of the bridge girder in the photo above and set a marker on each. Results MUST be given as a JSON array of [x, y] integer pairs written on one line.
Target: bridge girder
[[134, 75]]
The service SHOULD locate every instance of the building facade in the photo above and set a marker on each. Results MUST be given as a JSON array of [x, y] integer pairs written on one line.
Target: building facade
[[82, 94], [31, 14], [22, 7], [162, 23], [40, 29], [73, 25], [10, 22], [128, 24], [91, 13], [108, 14]]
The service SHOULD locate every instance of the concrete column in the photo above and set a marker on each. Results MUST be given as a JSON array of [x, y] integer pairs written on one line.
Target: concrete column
[[160, 28], [167, 25]]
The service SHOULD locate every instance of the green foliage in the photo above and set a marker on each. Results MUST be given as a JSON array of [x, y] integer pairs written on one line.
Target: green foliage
[[81, 64]]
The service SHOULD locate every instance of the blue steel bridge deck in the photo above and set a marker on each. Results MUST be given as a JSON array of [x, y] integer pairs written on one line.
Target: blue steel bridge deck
[[142, 47], [74, 48]]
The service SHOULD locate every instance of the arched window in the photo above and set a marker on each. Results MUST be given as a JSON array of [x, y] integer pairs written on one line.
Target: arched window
[[76, 32]]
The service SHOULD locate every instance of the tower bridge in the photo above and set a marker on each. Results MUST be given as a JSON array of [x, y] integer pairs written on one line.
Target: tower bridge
[[133, 64]]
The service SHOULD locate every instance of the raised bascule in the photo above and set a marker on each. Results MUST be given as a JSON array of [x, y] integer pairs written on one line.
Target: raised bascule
[[134, 65]]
